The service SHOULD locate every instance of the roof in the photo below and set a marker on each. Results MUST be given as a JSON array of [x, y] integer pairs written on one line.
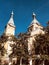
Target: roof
[[34, 21], [11, 21]]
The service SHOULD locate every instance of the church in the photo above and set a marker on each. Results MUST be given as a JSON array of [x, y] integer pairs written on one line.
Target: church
[[20, 50]]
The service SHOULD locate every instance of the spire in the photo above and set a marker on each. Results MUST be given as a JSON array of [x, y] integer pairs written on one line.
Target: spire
[[34, 15], [34, 21], [10, 28], [12, 14], [11, 21]]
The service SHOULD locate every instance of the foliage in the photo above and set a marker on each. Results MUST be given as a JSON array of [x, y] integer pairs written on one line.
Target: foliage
[[42, 46], [20, 46]]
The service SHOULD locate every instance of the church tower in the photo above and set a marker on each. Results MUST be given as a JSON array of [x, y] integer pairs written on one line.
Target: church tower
[[9, 32], [35, 26], [10, 28], [34, 29]]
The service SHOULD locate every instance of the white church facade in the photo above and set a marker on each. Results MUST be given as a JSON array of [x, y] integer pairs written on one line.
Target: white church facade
[[34, 29]]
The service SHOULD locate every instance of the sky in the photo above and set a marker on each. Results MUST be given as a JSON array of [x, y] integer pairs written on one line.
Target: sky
[[23, 10]]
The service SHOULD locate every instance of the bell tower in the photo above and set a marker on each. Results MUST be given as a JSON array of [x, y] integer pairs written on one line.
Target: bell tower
[[10, 27], [34, 29]]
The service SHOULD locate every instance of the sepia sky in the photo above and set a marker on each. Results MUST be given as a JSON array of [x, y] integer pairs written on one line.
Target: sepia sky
[[23, 10]]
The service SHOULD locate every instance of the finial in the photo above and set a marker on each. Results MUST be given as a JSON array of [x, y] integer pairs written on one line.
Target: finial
[[12, 14], [34, 15]]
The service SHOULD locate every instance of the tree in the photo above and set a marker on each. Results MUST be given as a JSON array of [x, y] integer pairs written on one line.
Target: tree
[[42, 45], [20, 48]]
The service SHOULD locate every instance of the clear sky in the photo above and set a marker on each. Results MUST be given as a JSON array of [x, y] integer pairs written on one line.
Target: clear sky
[[23, 10]]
